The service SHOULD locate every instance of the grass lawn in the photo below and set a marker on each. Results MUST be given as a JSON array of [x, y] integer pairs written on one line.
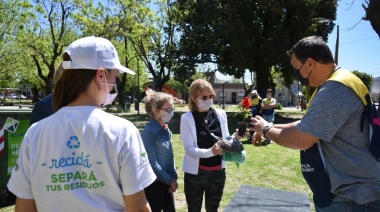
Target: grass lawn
[[270, 166]]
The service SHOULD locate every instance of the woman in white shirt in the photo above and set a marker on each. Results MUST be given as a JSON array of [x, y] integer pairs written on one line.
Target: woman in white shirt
[[203, 165], [82, 158]]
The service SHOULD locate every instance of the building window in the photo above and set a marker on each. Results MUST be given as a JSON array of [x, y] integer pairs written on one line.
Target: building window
[[221, 94], [240, 94]]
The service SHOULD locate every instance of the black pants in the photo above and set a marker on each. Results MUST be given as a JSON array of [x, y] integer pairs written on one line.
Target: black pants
[[159, 197], [210, 183]]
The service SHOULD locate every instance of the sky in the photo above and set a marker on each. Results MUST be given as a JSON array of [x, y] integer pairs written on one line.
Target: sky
[[359, 45]]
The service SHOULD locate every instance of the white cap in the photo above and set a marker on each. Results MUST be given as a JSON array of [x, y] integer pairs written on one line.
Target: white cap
[[254, 92], [93, 53]]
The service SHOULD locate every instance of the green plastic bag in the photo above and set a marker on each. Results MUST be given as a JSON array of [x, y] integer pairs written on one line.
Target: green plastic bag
[[236, 157]]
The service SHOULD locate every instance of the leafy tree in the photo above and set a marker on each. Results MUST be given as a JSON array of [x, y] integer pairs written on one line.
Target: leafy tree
[[365, 78], [43, 34], [10, 11], [177, 85], [129, 20], [104, 20], [154, 38], [253, 35], [142, 38]]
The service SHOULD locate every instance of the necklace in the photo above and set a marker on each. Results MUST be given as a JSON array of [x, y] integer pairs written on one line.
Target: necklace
[[205, 118]]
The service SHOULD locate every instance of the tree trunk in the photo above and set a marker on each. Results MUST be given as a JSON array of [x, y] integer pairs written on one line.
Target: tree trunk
[[35, 98], [120, 88], [264, 81], [48, 88]]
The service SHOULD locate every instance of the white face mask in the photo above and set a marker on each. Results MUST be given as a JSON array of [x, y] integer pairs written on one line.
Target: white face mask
[[110, 96], [166, 118], [205, 105]]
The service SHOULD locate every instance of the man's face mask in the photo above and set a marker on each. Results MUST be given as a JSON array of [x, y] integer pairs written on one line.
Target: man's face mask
[[110, 96], [300, 78]]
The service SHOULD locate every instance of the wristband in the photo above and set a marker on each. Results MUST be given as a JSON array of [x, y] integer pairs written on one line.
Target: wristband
[[266, 129]]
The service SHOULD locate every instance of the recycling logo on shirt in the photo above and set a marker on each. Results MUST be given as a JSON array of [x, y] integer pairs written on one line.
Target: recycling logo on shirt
[[73, 142]]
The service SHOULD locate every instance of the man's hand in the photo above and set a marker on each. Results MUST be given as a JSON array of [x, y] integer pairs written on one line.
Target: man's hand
[[258, 124]]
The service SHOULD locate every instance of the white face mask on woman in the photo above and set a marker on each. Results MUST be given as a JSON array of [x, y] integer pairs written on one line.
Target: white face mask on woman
[[205, 105], [110, 96]]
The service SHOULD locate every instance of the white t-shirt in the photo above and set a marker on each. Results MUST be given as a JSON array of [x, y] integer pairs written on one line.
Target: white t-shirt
[[81, 159]]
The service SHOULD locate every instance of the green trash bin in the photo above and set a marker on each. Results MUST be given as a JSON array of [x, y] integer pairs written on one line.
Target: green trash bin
[[14, 122]]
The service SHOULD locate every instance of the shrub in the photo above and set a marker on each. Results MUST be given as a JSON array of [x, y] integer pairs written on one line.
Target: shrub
[[278, 106]]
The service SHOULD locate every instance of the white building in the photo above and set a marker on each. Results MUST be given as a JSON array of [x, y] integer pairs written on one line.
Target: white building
[[234, 92], [375, 89]]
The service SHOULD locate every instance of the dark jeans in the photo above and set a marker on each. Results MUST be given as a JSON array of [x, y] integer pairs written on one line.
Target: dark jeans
[[341, 204], [210, 183], [159, 197]]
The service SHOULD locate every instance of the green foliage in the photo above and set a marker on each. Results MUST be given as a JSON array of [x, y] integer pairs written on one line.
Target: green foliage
[[43, 31], [365, 78], [169, 38], [253, 35], [242, 113], [236, 80], [278, 106], [307, 91], [154, 37], [177, 85]]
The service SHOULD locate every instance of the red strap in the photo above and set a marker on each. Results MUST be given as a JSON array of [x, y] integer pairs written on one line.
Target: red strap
[[211, 168]]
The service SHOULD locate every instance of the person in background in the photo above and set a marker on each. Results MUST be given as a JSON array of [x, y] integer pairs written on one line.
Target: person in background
[[203, 165], [303, 103], [334, 123], [255, 110], [256, 103], [157, 139], [44, 107], [267, 110], [81, 158]]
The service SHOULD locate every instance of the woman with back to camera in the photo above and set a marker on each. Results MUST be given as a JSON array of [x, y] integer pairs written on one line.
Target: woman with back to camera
[[203, 165], [157, 139], [81, 158]]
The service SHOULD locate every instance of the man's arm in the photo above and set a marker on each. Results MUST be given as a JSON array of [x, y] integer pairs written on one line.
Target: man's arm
[[27, 205], [137, 202], [286, 135]]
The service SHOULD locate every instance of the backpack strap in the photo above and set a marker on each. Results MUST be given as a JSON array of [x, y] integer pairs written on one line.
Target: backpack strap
[[352, 81]]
